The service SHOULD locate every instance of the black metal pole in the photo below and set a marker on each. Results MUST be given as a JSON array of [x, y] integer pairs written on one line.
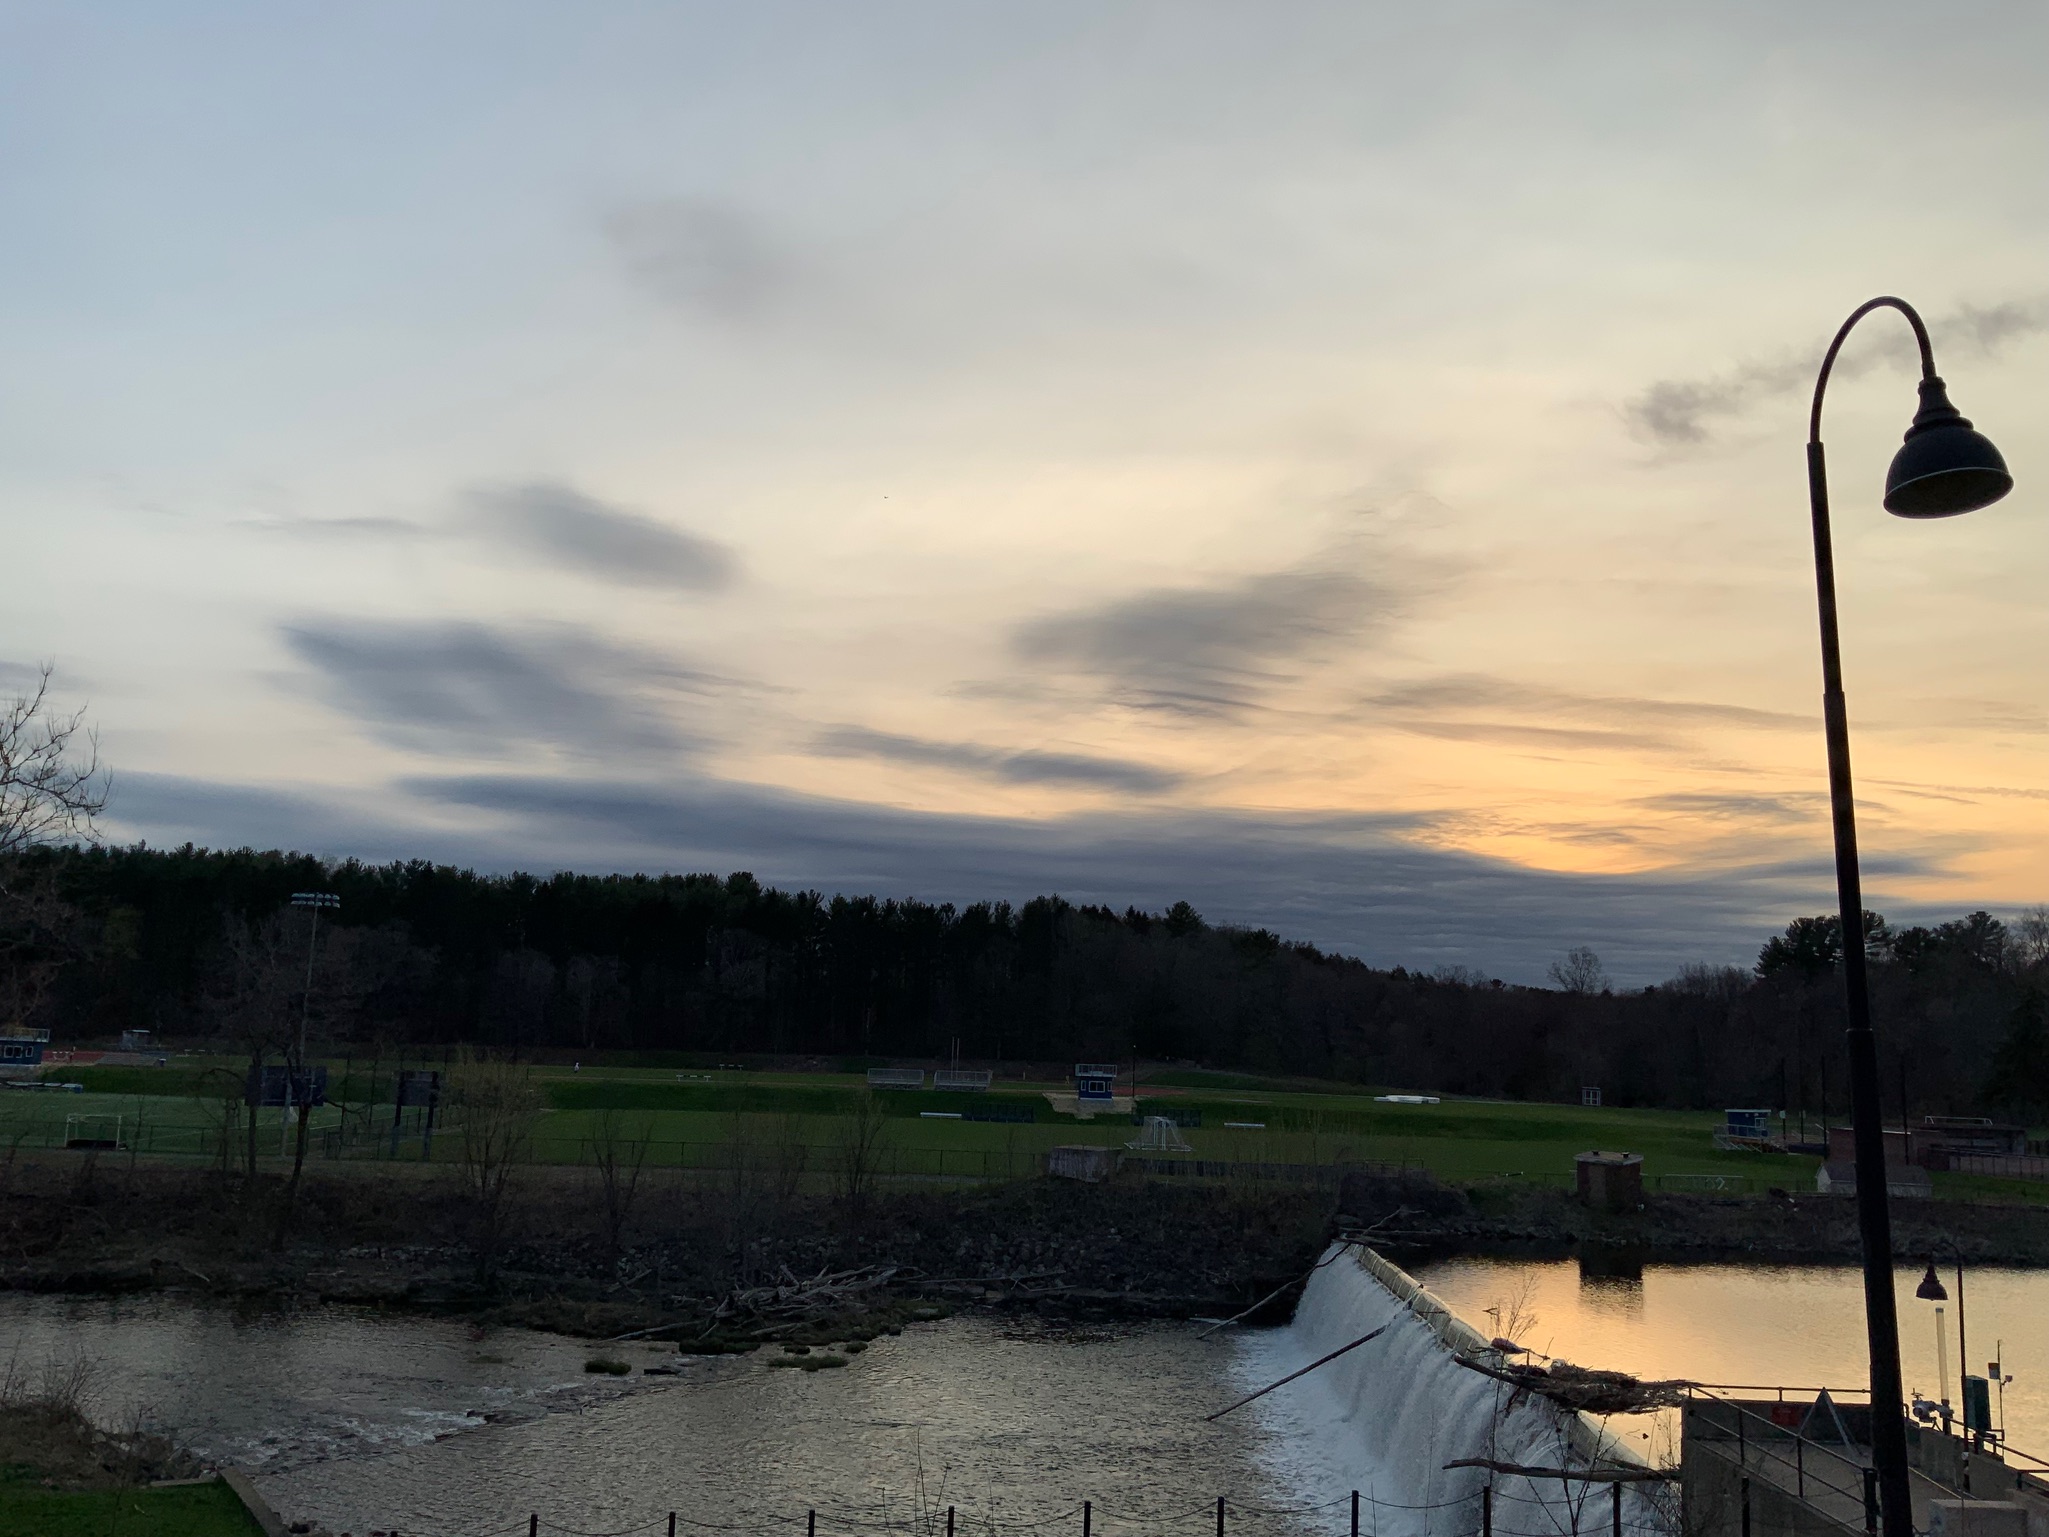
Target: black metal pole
[[1874, 1219], [1355, 1513]]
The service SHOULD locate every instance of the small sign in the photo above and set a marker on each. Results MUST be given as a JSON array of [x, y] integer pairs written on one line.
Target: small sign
[[421, 1087]]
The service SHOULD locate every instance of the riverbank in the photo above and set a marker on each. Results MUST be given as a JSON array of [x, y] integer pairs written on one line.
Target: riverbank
[[1510, 1219], [731, 1265], [745, 1264]]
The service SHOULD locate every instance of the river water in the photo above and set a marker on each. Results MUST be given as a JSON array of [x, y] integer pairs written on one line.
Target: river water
[[371, 1422]]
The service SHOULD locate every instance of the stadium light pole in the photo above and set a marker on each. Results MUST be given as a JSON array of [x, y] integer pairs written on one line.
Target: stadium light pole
[[316, 900], [1943, 468]]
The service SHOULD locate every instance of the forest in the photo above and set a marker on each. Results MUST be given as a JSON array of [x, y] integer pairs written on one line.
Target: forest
[[205, 946]]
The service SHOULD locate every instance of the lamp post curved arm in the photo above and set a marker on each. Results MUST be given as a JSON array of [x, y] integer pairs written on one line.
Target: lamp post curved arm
[[1942, 468]]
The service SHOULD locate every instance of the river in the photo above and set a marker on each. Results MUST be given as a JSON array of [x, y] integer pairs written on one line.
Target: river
[[375, 1422]]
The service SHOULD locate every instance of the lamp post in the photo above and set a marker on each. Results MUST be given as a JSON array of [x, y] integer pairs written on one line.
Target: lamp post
[[1943, 468], [1931, 1290]]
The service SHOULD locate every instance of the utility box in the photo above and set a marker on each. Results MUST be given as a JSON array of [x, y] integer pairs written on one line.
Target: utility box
[[1977, 1518], [1610, 1181]]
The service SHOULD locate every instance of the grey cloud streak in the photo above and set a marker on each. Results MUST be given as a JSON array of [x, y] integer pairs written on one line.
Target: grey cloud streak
[[702, 255], [1027, 766], [1678, 412], [1352, 883], [498, 691], [1208, 651], [564, 524], [1446, 707]]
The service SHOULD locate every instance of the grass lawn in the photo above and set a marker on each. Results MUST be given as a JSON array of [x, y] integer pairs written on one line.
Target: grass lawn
[[696, 1115], [196, 1510]]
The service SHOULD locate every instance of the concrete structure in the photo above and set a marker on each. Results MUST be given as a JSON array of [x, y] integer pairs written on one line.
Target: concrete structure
[[1839, 1177], [1090, 1165], [1610, 1181]]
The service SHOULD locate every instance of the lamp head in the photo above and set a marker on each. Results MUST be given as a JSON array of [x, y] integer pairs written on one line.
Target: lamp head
[[1931, 1288], [1943, 468]]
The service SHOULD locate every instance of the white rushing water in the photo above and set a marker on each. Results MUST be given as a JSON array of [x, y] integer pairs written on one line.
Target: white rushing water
[[1386, 1418]]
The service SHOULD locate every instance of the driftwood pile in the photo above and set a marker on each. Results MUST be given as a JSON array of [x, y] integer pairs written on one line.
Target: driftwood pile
[[1582, 1387], [789, 1304]]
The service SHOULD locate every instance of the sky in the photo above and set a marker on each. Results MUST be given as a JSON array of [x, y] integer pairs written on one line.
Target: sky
[[1338, 464]]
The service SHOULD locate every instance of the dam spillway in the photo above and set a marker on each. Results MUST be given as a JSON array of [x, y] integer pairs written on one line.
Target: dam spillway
[[1386, 1417]]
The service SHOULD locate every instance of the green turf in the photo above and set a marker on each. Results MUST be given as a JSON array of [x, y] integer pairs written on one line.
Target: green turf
[[194, 1510], [696, 1117]]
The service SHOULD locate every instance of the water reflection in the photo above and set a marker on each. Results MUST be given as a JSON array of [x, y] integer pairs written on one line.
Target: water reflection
[[1797, 1326]]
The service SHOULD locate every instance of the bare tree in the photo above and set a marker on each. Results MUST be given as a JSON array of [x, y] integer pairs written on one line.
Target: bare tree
[[52, 785], [52, 788], [2029, 937], [1580, 972], [619, 1147], [863, 1137], [495, 1103]]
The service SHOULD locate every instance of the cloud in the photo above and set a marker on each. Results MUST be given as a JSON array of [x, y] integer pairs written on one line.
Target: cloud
[[1025, 767], [701, 255], [1357, 883], [565, 525], [337, 528], [1209, 651], [1444, 707], [496, 692], [1681, 412]]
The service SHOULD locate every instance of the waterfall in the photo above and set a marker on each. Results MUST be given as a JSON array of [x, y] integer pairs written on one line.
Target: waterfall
[[1386, 1417]]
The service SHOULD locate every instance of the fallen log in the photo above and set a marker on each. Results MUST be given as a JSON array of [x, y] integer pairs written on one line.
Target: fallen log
[[1305, 1371], [1576, 1475], [1579, 1387]]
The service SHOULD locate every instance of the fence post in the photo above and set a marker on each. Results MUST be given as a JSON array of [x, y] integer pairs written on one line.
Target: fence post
[[1616, 1490], [1355, 1513], [1746, 1507], [810, 1523], [1087, 1512], [1486, 1511], [949, 1523], [1871, 1501], [533, 1524], [1220, 1516], [1742, 1442], [672, 1524], [1800, 1466]]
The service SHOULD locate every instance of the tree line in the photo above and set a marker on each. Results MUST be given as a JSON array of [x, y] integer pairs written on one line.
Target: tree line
[[204, 946]]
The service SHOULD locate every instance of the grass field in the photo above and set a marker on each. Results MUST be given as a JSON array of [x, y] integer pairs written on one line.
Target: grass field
[[697, 1118], [196, 1510]]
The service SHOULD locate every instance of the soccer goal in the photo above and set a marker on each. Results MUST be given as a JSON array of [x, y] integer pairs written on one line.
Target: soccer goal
[[1160, 1135], [93, 1131]]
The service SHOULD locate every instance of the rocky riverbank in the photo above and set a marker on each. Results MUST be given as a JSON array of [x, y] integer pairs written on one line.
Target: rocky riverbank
[[729, 1266]]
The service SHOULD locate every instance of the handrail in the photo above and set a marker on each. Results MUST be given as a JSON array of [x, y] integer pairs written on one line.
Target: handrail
[[1787, 1433]]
